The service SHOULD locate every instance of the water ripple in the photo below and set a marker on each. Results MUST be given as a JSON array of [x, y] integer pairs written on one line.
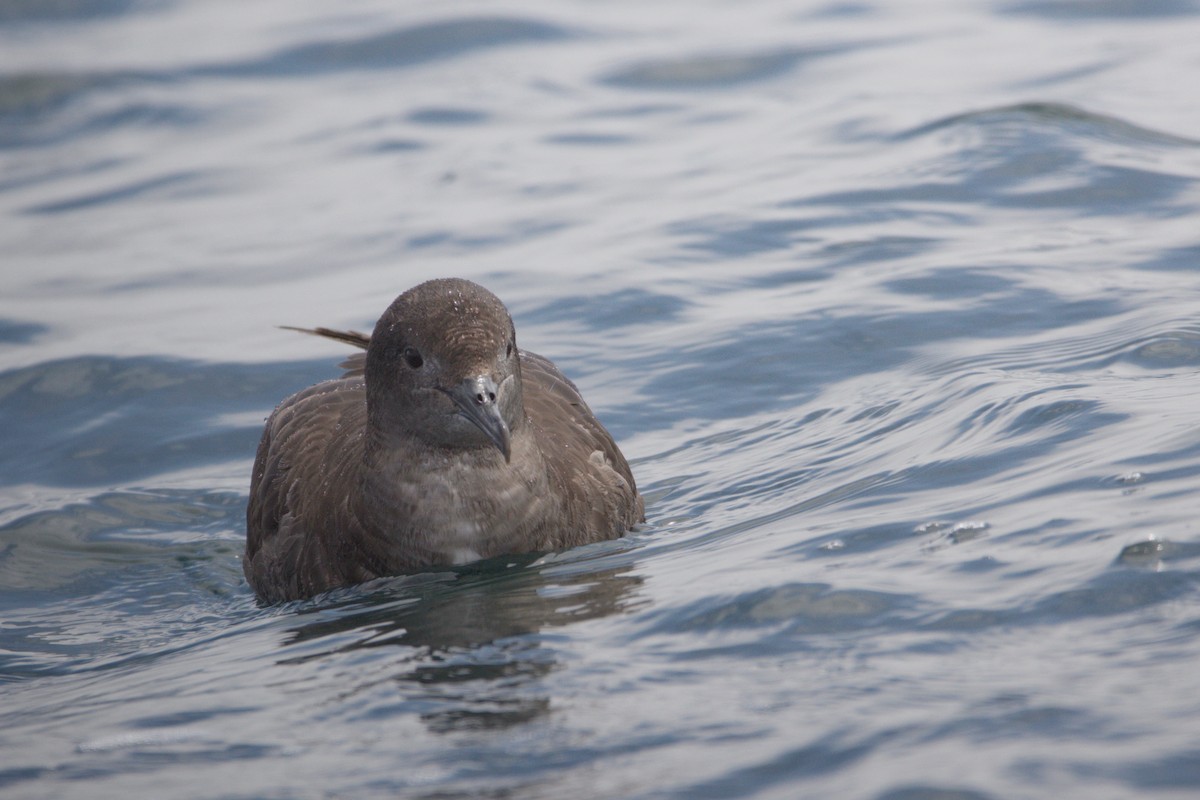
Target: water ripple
[[401, 47], [1058, 116], [96, 420], [711, 70]]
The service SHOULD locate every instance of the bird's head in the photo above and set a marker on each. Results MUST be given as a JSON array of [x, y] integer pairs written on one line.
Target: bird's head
[[443, 368]]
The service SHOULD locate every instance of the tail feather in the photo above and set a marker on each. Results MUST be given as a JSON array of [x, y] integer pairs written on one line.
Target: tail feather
[[353, 338]]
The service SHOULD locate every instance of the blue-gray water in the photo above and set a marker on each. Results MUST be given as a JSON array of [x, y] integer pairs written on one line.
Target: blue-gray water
[[895, 309]]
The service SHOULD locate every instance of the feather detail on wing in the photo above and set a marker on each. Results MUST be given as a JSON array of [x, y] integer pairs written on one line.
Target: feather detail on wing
[[583, 459], [303, 460]]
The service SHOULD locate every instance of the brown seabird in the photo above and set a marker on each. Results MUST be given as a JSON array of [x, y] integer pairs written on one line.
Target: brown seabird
[[441, 445]]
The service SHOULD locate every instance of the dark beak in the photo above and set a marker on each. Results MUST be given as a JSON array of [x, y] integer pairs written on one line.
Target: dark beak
[[476, 400]]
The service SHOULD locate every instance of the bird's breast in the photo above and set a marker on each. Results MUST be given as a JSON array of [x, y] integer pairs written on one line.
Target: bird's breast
[[466, 509]]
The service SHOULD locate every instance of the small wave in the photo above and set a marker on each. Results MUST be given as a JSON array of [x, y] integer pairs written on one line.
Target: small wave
[[1151, 345], [711, 70], [1057, 115], [401, 47]]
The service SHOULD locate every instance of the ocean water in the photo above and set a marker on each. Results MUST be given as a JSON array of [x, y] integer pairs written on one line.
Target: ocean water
[[894, 308]]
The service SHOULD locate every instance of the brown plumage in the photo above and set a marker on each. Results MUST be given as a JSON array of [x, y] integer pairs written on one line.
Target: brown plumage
[[442, 444]]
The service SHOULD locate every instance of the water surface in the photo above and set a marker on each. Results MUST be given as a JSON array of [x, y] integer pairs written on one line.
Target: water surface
[[893, 308]]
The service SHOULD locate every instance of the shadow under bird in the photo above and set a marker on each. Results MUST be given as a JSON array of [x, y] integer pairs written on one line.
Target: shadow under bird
[[441, 444]]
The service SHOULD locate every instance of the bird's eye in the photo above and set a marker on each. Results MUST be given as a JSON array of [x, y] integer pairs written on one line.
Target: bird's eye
[[412, 358], [509, 350]]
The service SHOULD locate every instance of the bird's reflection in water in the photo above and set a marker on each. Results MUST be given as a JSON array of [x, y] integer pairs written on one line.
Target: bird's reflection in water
[[469, 651]]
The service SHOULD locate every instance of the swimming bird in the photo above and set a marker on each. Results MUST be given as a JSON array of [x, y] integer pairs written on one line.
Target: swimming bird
[[442, 444]]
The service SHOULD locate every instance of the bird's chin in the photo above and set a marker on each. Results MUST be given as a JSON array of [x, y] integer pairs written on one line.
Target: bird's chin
[[491, 433]]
